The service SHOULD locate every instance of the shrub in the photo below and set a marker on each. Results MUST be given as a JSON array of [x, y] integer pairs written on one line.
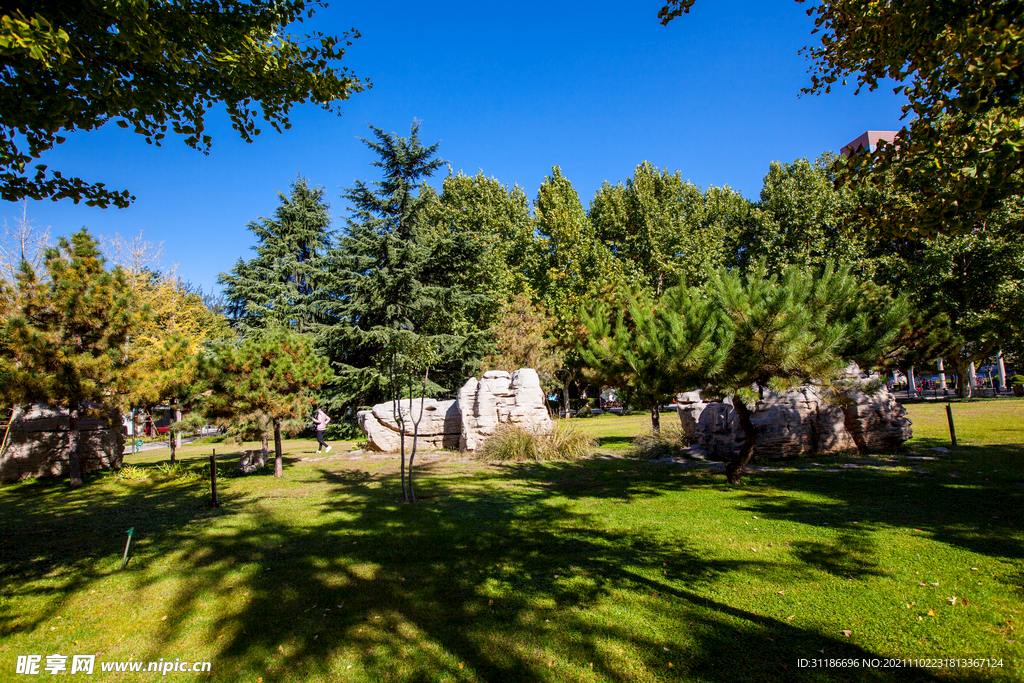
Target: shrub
[[513, 443], [177, 470], [1016, 379], [670, 443], [132, 473], [342, 431]]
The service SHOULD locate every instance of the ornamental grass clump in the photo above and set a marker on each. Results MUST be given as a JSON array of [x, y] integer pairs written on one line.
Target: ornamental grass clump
[[516, 444], [132, 473], [666, 444], [569, 442]]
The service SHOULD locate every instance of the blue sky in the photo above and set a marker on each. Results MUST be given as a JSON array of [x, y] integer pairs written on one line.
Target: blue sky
[[509, 88]]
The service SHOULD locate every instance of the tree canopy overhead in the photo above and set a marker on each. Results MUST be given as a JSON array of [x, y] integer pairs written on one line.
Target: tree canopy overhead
[[960, 64], [152, 65]]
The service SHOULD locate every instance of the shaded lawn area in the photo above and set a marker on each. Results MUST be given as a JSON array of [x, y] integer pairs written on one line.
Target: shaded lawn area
[[607, 569]]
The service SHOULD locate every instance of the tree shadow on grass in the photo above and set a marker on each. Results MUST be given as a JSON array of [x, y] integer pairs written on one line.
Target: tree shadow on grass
[[947, 499], [482, 581]]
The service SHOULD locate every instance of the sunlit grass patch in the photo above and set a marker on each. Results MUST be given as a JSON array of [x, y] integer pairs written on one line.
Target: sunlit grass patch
[[587, 570]]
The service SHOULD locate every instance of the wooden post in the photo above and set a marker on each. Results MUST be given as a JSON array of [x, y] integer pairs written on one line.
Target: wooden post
[[124, 560], [213, 477], [952, 429]]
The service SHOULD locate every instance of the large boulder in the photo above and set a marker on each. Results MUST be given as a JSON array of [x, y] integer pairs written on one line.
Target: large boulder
[[465, 423], [801, 421], [38, 442], [439, 427], [501, 398]]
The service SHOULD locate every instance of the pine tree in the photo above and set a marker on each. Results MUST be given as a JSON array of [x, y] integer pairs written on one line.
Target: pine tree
[[265, 381], [651, 349], [284, 282], [791, 328], [65, 335]]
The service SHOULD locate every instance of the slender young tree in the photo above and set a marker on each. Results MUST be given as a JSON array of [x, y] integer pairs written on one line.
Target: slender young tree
[[65, 335]]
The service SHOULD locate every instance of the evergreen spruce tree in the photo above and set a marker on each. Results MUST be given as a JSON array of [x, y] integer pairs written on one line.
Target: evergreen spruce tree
[[284, 282], [65, 335], [391, 280]]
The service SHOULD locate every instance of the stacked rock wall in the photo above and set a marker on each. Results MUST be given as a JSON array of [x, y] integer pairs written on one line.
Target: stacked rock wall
[[800, 422], [465, 423], [38, 442]]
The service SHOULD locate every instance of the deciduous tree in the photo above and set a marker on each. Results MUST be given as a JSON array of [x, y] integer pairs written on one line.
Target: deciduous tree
[[492, 220], [150, 66], [960, 64], [658, 228], [801, 220]]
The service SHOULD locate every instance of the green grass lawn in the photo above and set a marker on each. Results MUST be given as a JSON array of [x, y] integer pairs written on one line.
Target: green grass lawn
[[605, 569]]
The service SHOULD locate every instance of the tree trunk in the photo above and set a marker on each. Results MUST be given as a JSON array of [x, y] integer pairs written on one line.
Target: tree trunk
[[177, 419], [911, 383], [734, 470], [74, 465], [1002, 371], [963, 379], [265, 448], [416, 431], [278, 462], [401, 436], [656, 418], [172, 441]]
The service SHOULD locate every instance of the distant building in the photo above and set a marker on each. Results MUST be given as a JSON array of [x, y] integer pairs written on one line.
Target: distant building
[[870, 140]]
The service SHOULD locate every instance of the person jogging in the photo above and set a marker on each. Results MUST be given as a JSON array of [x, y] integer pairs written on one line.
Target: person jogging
[[321, 421]]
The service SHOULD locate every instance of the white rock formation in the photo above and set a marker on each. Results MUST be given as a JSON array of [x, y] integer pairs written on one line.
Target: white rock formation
[[500, 398], [439, 427], [482, 405]]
